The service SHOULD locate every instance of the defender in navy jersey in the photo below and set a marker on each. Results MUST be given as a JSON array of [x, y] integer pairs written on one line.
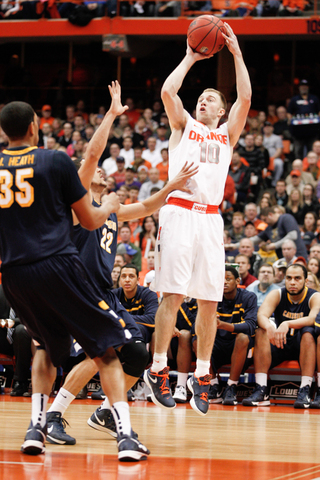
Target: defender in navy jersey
[[43, 277], [97, 250], [290, 337]]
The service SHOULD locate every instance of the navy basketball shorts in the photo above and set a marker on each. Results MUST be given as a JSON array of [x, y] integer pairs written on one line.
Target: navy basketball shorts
[[222, 352], [56, 298]]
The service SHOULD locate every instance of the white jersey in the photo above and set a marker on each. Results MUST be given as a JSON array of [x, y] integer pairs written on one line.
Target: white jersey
[[211, 151]]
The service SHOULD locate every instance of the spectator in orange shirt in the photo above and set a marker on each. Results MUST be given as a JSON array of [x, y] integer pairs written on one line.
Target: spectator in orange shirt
[[138, 161], [120, 174], [163, 166], [133, 195], [46, 116]]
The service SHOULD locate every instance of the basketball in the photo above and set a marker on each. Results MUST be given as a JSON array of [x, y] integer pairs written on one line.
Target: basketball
[[204, 34]]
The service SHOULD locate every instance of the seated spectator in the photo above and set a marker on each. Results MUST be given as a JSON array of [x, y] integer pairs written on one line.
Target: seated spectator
[[151, 154], [236, 323], [256, 161], [139, 161], [79, 124], [313, 266], [314, 251], [46, 116], [295, 309], [133, 195], [295, 205], [145, 190], [123, 194], [130, 181], [142, 129], [127, 151], [180, 349], [161, 137], [280, 194], [109, 165], [313, 282], [244, 266], [52, 144], [264, 284], [241, 176], [120, 175], [143, 174], [76, 135], [316, 149], [306, 177], [111, 185], [308, 228], [291, 8], [251, 215], [66, 138], [150, 122], [115, 274], [236, 231], [279, 267], [310, 201], [125, 236], [281, 127], [163, 166], [296, 182], [147, 237]]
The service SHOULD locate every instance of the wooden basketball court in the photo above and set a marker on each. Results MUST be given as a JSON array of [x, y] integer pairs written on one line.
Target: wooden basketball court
[[265, 443]]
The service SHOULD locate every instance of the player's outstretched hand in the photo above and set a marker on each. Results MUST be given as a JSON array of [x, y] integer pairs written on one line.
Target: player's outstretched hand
[[231, 40], [195, 55], [112, 200], [179, 182], [116, 106]]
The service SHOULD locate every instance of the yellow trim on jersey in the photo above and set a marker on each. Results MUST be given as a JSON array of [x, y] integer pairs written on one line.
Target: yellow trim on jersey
[[103, 305], [185, 316], [152, 325], [302, 299], [135, 308], [19, 152]]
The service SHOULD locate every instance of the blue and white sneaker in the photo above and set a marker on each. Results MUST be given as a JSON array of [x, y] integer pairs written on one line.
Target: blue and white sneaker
[[34, 440]]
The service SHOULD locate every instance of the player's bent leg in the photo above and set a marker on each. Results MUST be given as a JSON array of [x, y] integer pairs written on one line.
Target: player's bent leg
[[76, 379], [238, 359], [157, 377]]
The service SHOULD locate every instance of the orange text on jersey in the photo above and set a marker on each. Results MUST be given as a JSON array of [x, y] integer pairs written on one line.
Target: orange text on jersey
[[211, 136]]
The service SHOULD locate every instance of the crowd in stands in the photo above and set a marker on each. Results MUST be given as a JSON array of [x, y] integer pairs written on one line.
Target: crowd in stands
[[81, 12], [271, 210]]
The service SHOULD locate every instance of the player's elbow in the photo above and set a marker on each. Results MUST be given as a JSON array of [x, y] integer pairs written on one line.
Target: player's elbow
[[167, 92]]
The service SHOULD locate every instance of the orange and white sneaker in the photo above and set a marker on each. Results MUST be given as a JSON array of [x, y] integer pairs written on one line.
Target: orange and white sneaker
[[158, 382], [199, 387]]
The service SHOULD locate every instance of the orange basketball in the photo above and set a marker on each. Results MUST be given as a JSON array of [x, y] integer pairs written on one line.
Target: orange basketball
[[204, 34]]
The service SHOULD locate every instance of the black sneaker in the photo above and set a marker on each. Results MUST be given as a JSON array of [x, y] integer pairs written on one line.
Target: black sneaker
[[160, 387], [215, 393], [19, 389], [56, 426], [199, 387], [316, 401], [230, 395], [98, 395], [130, 449], [102, 419], [34, 440], [258, 398], [303, 398]]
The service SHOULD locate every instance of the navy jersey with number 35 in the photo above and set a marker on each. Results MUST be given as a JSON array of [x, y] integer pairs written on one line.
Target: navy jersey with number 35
[[44, 184]]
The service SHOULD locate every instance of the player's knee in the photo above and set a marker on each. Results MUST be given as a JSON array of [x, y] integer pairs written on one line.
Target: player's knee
[[307, 339], [242, 340], [135, 358], [184, 338]]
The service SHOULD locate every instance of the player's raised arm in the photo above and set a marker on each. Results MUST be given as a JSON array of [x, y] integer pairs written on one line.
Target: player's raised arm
[[169, 92], [99, 140], [239, 110]]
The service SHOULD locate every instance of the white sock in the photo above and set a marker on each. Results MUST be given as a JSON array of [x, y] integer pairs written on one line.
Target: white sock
[[262, 379], [202, 368], [105, 404], [318, 379], [39, 408], [121, 416], [182, 379], [232, 382], [159, 362], [306, 381], [214, 381], [62, 401]]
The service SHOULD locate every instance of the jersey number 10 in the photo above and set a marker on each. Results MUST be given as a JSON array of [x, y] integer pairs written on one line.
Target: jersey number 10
[[209, 152]]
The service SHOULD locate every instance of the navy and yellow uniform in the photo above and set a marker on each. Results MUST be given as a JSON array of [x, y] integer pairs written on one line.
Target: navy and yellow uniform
[[242, 312], [289, 310], [143, 308], [97, 250], [43, 277]]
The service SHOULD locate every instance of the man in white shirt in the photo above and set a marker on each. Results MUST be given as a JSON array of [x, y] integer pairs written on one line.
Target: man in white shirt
[[151, 153], [109, 165], [145, 190]]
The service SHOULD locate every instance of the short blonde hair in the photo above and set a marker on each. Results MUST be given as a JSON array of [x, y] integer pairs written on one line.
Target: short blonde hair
[[222, 97]]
